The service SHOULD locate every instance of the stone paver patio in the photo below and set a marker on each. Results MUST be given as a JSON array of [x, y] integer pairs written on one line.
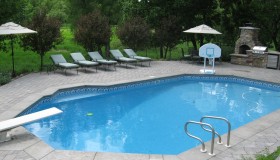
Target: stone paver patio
[[246, 141]]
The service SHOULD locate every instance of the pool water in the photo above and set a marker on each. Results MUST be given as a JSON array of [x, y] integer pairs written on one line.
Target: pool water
[[150, 118]]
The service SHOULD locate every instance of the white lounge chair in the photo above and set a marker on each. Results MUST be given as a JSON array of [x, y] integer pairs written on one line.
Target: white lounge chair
[[60, 61], [5, 126], [95, 56], [132, 54], [117, 54], [79, 59]]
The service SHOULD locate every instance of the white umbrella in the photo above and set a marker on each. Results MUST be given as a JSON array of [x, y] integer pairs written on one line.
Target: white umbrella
[[11, 28], [202, 29]]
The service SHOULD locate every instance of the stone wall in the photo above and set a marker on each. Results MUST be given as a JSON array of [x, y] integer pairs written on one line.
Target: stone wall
[[239, 59], [248, 37], [250, 59], [256, 60]]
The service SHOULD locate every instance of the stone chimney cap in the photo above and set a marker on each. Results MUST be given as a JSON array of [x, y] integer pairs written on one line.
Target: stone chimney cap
[[249, 28]]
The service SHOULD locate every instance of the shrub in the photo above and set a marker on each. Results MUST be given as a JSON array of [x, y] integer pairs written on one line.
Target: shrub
[[134, 33], [226, 51], [93, 31], [5, 77], [167, 35], [48, 34]]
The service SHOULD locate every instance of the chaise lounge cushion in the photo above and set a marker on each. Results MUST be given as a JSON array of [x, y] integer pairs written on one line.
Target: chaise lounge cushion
[[119, 56], [60, 61], [95, 56], [132, 54], [80, 59], [68, 65]]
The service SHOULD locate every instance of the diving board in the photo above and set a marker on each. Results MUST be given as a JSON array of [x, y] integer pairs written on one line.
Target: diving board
[[18, 121]]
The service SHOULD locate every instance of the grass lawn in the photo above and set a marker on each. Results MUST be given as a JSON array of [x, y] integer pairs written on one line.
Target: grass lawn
[[264, 155], [271, 156]]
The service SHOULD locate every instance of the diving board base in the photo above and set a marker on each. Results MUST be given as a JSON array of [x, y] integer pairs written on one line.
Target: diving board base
[[207, 71], [6, 125], [4, 136]]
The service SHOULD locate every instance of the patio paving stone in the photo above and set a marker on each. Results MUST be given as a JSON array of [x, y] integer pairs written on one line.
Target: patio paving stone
[[17, 95]]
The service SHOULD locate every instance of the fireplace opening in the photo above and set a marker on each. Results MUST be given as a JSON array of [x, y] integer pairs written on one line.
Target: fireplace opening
[[243, 48]]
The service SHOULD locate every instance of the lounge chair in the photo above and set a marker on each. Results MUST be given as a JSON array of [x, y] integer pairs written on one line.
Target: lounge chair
[[79, 59], [60, 62], [117, 54], [132, 54], [95, 56], [195, 56]]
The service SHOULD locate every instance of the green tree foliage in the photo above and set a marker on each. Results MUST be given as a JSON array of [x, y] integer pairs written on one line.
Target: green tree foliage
[[12, 11], [55, 8], [268, 19], [134, 33], [188, 13], [128, 7], [109, 8], [48, 34], [93, 31], [234, 15]]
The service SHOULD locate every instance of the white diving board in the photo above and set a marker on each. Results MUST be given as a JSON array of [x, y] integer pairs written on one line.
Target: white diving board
[[18, 121]]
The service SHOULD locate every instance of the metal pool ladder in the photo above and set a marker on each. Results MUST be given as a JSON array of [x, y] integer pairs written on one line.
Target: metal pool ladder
[[212, 130]]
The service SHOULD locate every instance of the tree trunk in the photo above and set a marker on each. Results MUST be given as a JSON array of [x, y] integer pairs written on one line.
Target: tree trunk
[[165, 52], [169, 53], [42, 57], [276, 44], [201, 40], [194, 43], [99, 49], [160, 52], [107, 50]]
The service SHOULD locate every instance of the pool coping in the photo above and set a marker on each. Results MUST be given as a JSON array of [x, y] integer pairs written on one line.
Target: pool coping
[[238, 135]]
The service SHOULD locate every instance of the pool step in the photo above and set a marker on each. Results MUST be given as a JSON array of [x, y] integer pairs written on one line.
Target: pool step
[[212, 130]]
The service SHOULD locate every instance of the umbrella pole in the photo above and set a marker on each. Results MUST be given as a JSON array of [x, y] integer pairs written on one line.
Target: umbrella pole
[[13, 61]]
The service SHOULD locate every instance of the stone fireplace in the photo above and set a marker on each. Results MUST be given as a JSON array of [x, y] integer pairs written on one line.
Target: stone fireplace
[[249, 37], [243, 54], [242, 49]]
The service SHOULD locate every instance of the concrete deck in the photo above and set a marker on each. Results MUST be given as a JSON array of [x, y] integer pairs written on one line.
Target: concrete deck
[[246, 141]]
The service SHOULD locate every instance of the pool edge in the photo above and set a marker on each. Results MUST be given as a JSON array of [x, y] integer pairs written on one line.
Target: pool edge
[[33, 98]]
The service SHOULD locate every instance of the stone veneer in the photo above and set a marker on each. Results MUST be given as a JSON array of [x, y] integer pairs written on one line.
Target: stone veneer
[[243, 54], [250, 59], [248, 37]]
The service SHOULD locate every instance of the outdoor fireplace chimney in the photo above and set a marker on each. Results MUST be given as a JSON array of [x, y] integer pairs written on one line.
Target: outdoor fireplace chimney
[[247, 40]]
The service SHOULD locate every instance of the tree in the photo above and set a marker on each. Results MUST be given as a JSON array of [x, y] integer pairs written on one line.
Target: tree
[[134, 33], [12, 10], [268, 19], [48, 34], [55, 8], [168, 34], [188, 13], [234, 15], [109, 8], [93, 31]]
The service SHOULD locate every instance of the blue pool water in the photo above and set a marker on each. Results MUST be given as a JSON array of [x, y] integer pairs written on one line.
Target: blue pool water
[[149, 117]]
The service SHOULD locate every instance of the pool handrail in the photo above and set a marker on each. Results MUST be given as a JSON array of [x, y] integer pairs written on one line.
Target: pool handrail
[[201, 141], [219, 118]]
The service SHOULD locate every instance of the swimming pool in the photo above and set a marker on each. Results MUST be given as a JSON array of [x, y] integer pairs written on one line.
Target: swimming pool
[[149, 116]]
